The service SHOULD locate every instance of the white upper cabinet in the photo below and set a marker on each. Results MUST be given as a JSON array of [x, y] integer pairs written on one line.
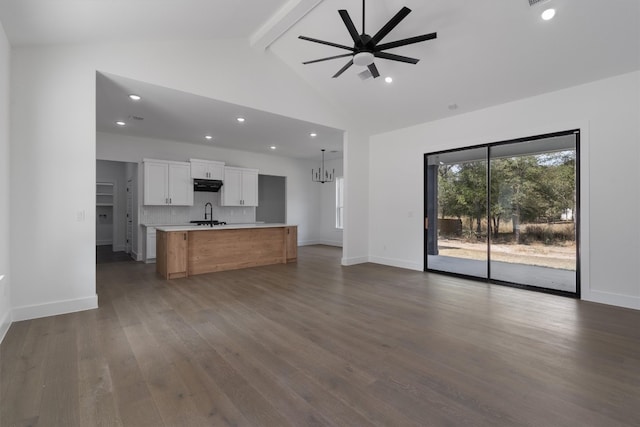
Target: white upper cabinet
[[250, 187], [180, 184], [207, 169], [240, 187], [167, 183]]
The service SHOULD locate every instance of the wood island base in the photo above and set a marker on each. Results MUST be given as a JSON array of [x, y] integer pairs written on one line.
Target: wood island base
[[183, 253]]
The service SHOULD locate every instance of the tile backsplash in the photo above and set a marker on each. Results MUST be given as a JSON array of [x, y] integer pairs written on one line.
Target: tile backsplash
[[166, 215]]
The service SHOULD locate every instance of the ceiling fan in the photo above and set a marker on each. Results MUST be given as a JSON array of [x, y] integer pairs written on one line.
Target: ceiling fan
[[366, 48]]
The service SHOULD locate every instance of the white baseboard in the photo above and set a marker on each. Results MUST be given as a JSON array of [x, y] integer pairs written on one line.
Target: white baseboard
[[400, 263], [103, 242], [336, 243], [5, 323], [609, 298], [119, 248], [135, 255], [320, 242], [355, 260], [36, 311]]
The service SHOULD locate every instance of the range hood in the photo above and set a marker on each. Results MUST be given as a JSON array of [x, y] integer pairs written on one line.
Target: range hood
[[208, 185]]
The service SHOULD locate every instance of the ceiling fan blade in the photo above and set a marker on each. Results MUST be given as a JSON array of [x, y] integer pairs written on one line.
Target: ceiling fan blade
[[350, 26], [343, 69], [364, 75], [374, 70], [393, 57], [405, 42], [327, 59], [393, 22], [309, 39]]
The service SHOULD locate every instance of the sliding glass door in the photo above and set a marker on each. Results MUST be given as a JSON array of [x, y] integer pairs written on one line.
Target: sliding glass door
[[456, 214], [506, 212]]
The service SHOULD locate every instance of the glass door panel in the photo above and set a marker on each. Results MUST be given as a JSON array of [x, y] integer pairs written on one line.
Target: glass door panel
[[456, 220], [532, 221]]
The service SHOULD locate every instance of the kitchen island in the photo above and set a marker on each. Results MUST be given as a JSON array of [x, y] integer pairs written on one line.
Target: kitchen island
[[183, 251]]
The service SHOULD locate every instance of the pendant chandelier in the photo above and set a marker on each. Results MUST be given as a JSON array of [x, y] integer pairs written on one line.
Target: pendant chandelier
[[322, 175]]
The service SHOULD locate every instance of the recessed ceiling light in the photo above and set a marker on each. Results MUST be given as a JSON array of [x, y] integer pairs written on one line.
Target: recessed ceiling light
[[548, 14], [120, 123], [208, 137], [313, 135], [388, 79], [134, 97], [240, 119], [273, 147]]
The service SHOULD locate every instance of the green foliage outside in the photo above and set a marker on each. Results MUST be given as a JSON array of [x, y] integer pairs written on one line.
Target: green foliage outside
[[534, 189]]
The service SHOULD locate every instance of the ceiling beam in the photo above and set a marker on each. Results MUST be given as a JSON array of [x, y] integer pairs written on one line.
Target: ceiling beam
[[281, 21]]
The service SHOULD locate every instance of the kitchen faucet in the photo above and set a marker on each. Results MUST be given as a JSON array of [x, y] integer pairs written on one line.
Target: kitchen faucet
[[210, 213]]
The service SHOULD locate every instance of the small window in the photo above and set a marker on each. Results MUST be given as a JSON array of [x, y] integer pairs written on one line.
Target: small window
[[339, 203]]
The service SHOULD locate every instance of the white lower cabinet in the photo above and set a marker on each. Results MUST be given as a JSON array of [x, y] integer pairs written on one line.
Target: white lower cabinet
[[167, 183], [150, 245], [240, 187]]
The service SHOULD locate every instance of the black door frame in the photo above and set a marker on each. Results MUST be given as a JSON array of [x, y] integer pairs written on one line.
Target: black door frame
[[577, 214]]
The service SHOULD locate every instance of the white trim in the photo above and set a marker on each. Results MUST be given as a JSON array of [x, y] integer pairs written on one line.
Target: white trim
[[336, 243], [308, 242], [104, 242], [285, 18], [396, 263], [5, 324], [609, 298], [119, 248], [355, 260], [36, 311]]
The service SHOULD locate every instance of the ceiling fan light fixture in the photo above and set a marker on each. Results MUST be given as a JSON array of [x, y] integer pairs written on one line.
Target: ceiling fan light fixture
[[363, 59]]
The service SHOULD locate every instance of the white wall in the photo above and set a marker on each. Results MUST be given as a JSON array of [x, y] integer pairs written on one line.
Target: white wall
[[303, 196], [53, 145], [608, 114], [355, 240], [5, 288], [329, 234]]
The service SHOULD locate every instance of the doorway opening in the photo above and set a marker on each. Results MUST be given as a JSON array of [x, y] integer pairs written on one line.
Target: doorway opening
[[507, 212], [115, 211], [272, 199]]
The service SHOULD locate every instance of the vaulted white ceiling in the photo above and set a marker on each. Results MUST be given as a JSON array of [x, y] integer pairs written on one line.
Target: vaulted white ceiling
[[105, 21], [487, 52]]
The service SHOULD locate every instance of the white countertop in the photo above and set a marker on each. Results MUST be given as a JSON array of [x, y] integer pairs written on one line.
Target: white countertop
[[217, 227]]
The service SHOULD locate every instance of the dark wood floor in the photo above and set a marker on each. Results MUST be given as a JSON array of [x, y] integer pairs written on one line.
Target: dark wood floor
[[314, 343], [105, 254]]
